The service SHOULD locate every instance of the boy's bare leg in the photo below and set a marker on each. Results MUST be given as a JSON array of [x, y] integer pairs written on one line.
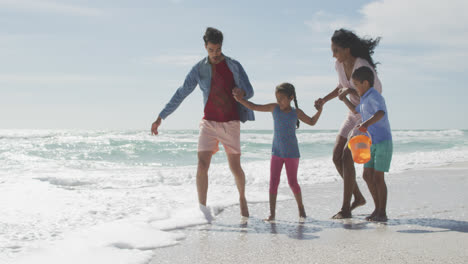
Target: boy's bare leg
[[239, 176], [340, 146], [300, 205], [204, 160], [272, 207], [381, 215], [368, 176]]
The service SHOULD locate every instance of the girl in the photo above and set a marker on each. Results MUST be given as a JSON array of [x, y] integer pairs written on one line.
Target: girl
[[351, 52], [285, 148]]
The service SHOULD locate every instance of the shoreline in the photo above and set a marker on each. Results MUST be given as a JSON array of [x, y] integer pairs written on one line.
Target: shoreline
[[427, 224]]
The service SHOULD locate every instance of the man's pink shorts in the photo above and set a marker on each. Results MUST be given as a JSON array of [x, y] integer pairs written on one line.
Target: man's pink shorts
[[212, 132]]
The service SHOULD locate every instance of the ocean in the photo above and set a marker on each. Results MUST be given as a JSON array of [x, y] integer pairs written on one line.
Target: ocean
[[119, 194]]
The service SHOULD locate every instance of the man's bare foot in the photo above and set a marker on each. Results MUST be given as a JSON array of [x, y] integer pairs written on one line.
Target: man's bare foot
[[270, 219], [342, 215], [243, 207], [369, 217], [357, 203]]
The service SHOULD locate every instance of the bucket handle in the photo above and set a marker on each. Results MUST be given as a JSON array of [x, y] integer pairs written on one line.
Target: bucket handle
[[352, 130]]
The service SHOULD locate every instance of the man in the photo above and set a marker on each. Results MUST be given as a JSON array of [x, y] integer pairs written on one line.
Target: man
[[218, 76]]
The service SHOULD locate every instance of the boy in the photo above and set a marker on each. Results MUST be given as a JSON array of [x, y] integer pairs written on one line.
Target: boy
[[375, 120]]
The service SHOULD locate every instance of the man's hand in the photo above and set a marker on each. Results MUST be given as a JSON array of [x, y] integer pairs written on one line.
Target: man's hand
[[238, 92], [155, 125]]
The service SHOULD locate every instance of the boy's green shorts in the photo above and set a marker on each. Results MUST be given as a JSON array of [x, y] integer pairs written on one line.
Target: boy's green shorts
[[381, 156]]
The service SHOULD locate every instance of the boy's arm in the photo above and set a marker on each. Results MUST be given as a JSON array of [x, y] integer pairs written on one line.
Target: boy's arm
[[369, 122], [309, 120], [348, 103]]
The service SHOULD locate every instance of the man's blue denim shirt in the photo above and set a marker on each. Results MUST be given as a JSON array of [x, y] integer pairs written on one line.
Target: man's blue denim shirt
[[201, 75]]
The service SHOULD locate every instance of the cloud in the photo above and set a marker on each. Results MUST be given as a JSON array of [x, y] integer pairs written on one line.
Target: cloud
[[416, 22], [402, 22], [49, 7], [419, 35]]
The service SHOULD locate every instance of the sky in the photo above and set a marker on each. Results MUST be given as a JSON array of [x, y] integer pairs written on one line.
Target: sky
[[115, 64]]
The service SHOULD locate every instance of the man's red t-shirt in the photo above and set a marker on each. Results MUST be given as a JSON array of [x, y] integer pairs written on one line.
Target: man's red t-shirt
[[221, 105]]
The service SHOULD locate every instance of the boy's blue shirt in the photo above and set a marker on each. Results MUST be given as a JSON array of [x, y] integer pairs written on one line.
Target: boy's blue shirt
[[372, 102], [201, 75]]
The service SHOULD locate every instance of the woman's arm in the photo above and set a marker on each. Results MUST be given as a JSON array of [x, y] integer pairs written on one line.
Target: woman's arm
[[309, 120], [321, 101]]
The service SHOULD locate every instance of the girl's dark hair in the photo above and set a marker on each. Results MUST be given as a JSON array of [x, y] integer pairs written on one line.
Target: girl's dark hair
[[288, 90], [213, 35], [359, 47]]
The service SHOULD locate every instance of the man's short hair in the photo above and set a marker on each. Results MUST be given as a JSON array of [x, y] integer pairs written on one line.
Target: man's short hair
[[362, 74], [213, 35]]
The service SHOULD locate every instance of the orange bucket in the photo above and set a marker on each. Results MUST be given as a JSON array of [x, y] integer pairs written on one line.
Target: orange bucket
[[360, 148]]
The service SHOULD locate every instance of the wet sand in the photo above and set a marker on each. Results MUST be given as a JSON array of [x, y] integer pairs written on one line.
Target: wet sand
[[428, 223]]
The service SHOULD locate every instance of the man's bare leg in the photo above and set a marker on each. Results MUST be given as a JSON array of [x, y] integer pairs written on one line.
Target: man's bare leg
[[239, 176], [204, 160]]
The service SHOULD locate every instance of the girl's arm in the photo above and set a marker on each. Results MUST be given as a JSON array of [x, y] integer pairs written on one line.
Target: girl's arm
[[256, 107], [309, 120]]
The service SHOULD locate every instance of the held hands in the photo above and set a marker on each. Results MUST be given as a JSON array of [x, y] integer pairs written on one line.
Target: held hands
[[319, 107], [319, 104], [238, 93], [155, 125], [342, 93]]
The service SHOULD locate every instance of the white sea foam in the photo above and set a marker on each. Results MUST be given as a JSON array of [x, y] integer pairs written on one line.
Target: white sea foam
[[114, 195]]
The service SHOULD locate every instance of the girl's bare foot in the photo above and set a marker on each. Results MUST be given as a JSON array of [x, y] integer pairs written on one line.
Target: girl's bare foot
[[270, 219], [302, 212]]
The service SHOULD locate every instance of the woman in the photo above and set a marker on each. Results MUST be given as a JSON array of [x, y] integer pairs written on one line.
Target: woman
[[351, 52]]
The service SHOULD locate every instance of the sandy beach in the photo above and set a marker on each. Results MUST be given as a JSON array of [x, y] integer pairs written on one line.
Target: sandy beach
[[428, 223]]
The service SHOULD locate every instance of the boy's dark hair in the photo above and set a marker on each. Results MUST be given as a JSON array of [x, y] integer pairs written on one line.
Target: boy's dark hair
[[362, 74], [288, 90], [213, 35], [359, 47]]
